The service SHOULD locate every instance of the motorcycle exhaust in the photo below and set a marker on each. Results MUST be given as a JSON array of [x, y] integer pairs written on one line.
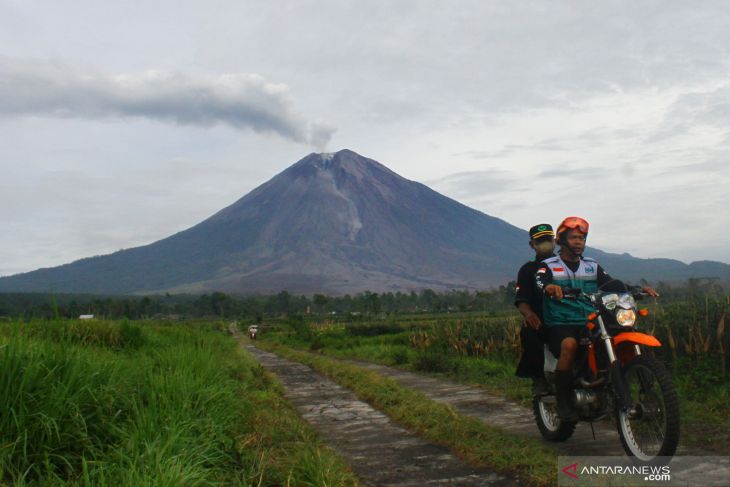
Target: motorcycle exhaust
[[582, 397]]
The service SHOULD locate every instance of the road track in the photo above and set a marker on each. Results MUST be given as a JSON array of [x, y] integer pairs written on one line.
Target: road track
[[380, 452]]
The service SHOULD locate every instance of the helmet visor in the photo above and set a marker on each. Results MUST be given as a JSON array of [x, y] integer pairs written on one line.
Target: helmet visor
[[577, 223]]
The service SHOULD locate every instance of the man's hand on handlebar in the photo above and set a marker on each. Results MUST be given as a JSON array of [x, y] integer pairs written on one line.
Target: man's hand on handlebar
[[650, 291], [554, 291]]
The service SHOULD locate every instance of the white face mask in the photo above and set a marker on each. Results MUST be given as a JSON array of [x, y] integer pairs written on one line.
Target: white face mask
[[545, 248]]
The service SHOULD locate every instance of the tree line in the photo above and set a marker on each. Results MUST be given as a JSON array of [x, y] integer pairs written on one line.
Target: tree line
[[256, 307], [260, 307]]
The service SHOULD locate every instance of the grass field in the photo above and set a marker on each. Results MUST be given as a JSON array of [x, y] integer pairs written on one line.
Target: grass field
[[125, 403], [130, 404]]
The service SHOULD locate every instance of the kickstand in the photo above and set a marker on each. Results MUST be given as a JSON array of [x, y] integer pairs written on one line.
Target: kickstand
[[593, 431]]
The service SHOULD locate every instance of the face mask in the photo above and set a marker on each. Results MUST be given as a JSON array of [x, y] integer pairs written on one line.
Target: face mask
[[545, 248]]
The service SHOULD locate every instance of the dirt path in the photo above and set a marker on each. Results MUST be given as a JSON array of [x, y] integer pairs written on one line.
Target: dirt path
[[379, 451], [509, 415], [499, 411]]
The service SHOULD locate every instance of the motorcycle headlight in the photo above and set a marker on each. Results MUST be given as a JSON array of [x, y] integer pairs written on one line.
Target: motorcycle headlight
[[626, 317]]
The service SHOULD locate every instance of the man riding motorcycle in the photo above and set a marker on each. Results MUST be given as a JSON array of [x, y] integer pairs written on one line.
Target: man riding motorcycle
[[565, 319]]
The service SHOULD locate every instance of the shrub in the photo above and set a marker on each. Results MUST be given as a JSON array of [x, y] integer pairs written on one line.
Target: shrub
[[317, 343], [373, 330], [399, 356], [131, 335], [431, 360], [301, 330]]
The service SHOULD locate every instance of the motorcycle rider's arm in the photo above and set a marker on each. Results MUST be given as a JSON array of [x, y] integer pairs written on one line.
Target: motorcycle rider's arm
[[608, 283], [544, 281]]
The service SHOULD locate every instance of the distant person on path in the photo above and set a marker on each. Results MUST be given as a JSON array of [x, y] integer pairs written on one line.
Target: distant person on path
[[565, 319], [528, 299]]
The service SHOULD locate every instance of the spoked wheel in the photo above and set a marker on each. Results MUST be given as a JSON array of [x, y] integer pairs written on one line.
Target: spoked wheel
[[651, 428], [546, 416]]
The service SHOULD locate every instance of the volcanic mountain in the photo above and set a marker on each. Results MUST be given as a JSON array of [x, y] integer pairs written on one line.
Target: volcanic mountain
[[332, 223]]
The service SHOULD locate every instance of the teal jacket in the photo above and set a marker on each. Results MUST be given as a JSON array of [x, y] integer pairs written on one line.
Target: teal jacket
[[567, 311]]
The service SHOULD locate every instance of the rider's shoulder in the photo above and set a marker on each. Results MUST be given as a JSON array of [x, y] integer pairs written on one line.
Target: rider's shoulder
[[551, 260], [589, 259], [527, 266]]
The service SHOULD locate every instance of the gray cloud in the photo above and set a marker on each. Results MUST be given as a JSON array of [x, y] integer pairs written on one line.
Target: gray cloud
[[573, 173], [471, 184], [695, 109], [240, 100], [548, 145]]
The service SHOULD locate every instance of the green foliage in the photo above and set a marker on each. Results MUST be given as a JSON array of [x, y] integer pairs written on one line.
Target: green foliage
[[54, 399], [374, 329], [701, 378], [105, 403], [432, 360], [301, 330], [400, 356], [346, 308], [131, 335], [317, 343]]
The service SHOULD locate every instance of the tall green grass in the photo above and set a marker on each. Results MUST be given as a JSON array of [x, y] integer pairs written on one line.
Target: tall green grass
[[109, 403]]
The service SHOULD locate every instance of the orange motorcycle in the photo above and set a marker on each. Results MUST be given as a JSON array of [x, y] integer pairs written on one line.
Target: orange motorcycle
[[616, 374]]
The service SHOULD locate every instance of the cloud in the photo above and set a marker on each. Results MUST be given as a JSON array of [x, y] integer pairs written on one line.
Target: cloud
[[709, 108], [576, 174], [240, 100], [471, 184]]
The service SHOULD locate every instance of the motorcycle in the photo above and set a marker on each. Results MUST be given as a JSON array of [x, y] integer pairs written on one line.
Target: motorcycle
[[615, 374], [252, 331]]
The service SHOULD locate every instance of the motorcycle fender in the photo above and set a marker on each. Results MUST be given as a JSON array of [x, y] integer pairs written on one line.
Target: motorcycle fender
[[636, 337]]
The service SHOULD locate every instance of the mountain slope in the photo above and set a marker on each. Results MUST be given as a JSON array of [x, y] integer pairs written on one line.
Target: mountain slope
[[332, 223]]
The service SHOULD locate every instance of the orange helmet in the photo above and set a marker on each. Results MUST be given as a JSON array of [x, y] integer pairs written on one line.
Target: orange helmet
[[572, 222]]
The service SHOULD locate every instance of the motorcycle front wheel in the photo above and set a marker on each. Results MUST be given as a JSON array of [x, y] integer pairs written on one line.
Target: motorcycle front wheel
[[551, 427], [651, 428]]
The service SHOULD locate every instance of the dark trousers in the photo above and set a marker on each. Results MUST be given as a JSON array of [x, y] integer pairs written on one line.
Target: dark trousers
[[532, 361]]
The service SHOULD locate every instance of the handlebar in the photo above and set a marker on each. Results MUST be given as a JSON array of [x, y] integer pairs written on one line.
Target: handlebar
[[572, 292], [575, 293]]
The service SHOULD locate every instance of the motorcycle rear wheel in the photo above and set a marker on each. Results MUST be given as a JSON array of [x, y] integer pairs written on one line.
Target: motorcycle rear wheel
[[653, 431], [551, 427]]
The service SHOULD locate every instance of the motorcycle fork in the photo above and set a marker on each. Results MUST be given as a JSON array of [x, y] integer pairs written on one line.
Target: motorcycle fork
[[623, 395]]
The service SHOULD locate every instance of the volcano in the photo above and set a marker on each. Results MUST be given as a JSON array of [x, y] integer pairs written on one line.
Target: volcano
[[331, 223]]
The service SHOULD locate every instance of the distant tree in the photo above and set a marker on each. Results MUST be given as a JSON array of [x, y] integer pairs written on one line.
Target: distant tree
[[320, 301], [220, 303]]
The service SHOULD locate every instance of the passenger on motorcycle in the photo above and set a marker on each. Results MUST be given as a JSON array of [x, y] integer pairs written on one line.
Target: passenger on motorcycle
[[528, 300], [565, 319]]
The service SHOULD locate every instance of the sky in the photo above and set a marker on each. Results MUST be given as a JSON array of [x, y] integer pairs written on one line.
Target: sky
[[122, 123]]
